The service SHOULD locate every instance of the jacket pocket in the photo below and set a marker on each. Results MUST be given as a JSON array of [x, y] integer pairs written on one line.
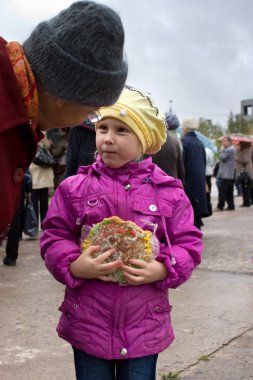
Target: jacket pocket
[[86, 319], [150, 206], [95, 210], [148, 212], [71, 321], [157, 322], [97, 207], [78, 320]]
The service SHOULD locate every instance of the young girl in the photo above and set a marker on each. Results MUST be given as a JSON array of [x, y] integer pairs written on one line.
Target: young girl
[[117, 331]]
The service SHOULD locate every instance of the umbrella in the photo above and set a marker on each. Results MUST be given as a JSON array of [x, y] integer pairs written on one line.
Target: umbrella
[[208, 143], [239, 137]]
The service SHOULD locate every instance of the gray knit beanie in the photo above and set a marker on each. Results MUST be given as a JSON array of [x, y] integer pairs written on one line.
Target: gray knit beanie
[[172, 121], [78, 54]]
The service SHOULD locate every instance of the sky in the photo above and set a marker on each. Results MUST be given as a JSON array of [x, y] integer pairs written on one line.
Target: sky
[[195, 57]]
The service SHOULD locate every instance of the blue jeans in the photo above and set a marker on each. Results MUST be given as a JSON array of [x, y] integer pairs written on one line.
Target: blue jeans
[[89, 367]]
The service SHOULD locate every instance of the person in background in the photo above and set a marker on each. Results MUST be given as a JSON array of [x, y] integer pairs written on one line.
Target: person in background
[[194, 156], [42, 180], [81, 147], [226, 175], [117, 331], [209, 174], [65, 70], [251, 193], [58, 148], [244, 164], [170, 157], [17, 224]]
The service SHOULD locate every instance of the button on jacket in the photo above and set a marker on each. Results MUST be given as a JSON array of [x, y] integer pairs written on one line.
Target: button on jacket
[[102, 318]]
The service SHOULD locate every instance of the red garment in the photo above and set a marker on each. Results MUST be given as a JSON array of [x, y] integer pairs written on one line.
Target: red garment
[[18, 142]]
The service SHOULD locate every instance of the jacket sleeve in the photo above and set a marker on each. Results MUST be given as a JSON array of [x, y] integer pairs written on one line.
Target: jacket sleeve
[[60, 238], [225, 155], [184, 252]]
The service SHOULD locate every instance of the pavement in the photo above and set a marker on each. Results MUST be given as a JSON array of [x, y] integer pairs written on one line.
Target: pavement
[[212, 312]]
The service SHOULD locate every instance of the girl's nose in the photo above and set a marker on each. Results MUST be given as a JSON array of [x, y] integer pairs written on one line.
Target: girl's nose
[[109, 139]]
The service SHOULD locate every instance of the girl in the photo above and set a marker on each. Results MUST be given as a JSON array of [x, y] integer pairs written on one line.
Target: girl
[[117, 331]]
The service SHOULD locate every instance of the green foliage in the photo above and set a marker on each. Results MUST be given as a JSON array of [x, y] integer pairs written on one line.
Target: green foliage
[[170, 376], [204, 358], [212, 131], [237, 124]]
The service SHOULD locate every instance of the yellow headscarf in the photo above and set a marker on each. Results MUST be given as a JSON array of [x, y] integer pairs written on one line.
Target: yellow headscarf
[[137, 110]]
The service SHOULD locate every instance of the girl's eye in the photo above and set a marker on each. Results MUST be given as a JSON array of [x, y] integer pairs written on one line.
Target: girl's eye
[[102, 127], [122, 130]]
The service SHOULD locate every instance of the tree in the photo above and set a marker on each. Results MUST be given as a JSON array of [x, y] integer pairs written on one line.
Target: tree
[[238, 124], [213, 131]]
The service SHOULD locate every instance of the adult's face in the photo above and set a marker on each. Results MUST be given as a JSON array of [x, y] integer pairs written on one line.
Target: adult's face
[[225, 142], [59, 113]]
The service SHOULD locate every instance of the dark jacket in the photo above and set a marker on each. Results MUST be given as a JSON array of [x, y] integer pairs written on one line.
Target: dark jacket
[[170, 157], [18, 142], [81, 148], [195, 167]]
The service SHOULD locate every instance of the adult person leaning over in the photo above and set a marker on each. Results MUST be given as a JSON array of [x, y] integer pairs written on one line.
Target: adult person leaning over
[[170, 157], [60, 75], [226, 175]]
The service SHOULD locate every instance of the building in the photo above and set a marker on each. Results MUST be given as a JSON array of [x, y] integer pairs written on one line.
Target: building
[[247, 109]]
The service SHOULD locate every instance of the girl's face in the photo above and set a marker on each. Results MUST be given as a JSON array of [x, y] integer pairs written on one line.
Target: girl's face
[[116, 143]]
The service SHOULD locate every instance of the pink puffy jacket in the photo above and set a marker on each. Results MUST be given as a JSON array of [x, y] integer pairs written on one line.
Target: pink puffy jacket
[[105, 319]]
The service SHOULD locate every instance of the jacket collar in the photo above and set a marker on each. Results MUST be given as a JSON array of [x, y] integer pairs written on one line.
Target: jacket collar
[[145, 170], [130, 169], [191, 133]]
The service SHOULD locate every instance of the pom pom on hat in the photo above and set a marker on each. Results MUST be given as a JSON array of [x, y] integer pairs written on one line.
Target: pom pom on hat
[[78, 54], [190, 123], [137, 110]]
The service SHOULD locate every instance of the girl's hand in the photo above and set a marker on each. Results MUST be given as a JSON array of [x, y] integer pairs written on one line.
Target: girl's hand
[[146, 273], [87, 267]]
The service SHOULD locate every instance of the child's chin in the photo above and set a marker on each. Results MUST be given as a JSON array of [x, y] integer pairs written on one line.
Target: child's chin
[[113, 166]]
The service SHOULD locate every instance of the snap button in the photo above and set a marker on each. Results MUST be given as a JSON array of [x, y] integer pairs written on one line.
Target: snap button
[[157, 308], [152, 207], [127, 187], [123, 351], [18, 175], [92, 202]]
